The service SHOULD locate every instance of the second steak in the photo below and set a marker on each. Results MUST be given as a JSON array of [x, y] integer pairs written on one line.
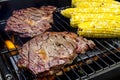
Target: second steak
[[30, 22]]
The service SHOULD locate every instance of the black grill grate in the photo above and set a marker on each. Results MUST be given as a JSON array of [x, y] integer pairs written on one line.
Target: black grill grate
[[105, 57]]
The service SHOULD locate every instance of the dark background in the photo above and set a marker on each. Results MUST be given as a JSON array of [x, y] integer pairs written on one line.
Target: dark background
[[111, 75], [7, 7]]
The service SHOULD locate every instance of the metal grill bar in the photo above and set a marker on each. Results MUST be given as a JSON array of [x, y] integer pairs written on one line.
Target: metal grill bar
[[72, 73], [60, 23], [68, 78], [56, 28], [7, 64], [102, 60], [112, 46], [76, 74], [12, 59], [95, 62], [83, 73], [107, 57], [110, 51], [92, 70], [62, 20]]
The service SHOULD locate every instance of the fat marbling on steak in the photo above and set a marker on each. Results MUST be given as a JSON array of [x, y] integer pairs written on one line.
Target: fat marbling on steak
[[50, 51], [32, 21]]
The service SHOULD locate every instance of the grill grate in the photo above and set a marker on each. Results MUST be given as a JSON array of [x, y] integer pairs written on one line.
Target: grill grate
[[105, 57]]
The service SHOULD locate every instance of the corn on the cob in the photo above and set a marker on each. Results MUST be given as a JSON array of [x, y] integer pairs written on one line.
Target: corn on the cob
[[97, 4], [95, 18], [99, 29], [70, 11], [78, 1], [98, 35], [75, 1], [84, 17], [99, 24]]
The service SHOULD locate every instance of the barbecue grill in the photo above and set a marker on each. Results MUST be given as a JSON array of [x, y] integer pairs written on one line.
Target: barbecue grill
[[104, 58]]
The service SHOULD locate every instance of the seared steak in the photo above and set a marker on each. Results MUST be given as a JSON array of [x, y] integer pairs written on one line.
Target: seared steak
[[30, 22], [50, 51]]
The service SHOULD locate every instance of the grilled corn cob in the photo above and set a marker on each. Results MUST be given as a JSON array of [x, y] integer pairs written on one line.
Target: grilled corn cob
[[99, 29], [75, 1], [97, 4], [78, 1], [70, 11], [84, 17], [95, 18]]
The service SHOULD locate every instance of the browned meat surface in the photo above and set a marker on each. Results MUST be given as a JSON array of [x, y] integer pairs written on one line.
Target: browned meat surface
[[50, 51], [30, 22]]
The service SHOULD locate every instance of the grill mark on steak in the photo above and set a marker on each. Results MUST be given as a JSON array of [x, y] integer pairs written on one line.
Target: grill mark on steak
[[49, 64], [32, 63], [67, 41], [41, 47], [55, 48], [28, 54]]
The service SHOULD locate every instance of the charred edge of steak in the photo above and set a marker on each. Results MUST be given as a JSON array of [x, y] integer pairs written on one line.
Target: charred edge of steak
[[52, 71], [41, 76], [83, 45]]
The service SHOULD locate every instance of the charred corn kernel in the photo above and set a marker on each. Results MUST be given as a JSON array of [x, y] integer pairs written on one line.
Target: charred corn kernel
[[84, 17], [70, 11], [98, 4], [99, 30]]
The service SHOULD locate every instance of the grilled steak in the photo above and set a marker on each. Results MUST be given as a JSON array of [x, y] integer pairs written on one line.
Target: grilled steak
[[30, 22], [50, 51]]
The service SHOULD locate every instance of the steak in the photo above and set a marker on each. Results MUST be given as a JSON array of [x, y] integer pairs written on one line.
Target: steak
[[32, 21], [50, 51]]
